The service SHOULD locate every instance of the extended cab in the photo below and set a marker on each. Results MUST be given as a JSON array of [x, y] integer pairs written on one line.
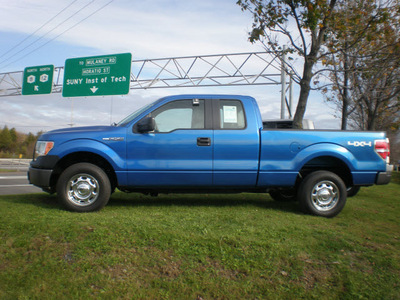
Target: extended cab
[[207, 143]]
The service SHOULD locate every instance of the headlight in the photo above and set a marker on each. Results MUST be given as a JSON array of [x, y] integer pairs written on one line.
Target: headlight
[[42, 148]]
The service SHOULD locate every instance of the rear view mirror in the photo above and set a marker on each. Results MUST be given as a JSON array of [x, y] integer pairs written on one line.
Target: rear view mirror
[[146, 124]]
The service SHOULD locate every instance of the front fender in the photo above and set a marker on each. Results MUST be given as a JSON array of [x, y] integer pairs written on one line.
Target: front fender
[[112, 151]]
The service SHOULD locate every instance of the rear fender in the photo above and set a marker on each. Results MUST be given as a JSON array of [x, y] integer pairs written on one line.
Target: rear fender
[[325, 149], [362, 172]]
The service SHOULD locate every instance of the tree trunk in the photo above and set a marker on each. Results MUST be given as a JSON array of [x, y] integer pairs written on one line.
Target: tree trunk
[[305, 84], [345, 114], [345, 108], [371, 123]]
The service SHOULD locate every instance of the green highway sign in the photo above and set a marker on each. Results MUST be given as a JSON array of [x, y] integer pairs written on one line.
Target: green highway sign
[[38, 80], [97, 75]]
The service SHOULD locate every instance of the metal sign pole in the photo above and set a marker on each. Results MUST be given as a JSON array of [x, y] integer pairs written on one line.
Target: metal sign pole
[[283, 83]]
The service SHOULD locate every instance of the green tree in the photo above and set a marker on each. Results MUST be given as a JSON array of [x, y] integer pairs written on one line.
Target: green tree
[[13, 134], [29, 144], [5, 139], [14, 143]]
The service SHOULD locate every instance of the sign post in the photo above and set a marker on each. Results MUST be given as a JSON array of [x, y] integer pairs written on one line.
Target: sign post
[[97, 75], [38, 80]]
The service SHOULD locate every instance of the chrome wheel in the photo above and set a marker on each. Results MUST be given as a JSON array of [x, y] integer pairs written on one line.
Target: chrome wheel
[[325, 195], [83, 189], [322, 193]]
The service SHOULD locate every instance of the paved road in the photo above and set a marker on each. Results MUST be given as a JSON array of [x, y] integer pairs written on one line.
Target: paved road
[[15, 180], [13, 183]]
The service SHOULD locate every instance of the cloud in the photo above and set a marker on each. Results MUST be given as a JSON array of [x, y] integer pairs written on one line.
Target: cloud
[[44, 113], [147, 29]]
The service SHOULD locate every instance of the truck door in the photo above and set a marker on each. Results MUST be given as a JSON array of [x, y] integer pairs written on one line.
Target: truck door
[[178, 152], [236, 144]]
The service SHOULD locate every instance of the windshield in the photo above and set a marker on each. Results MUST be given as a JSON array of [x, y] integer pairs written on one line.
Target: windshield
[[134, 115]]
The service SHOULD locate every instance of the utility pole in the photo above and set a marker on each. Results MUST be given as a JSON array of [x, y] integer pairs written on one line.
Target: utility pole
[[283, 83]]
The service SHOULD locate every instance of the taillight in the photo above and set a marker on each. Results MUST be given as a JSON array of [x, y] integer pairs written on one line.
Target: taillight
[[383, 149]]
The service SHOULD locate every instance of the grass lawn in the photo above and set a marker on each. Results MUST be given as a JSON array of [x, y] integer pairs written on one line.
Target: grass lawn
[[243, 246]]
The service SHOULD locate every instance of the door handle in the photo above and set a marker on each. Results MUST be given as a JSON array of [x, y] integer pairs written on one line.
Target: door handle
[[203, 141]]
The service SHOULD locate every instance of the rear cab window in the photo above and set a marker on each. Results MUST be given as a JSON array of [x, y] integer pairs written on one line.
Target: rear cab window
[[231, 114]]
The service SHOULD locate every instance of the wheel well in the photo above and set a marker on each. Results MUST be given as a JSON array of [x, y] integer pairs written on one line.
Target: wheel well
[[88, 157], [328, 163]]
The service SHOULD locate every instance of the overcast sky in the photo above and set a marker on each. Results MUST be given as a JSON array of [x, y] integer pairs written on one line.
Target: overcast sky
[[147, 29]]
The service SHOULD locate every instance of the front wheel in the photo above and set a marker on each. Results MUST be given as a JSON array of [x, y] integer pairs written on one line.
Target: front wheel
[[83, 187], [322, 193]]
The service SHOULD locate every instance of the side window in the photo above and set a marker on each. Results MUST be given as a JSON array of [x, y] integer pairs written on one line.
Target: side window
[[180, 114], [231, 114]]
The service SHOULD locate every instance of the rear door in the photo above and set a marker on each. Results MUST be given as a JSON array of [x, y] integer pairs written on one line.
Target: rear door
[[236, 143]]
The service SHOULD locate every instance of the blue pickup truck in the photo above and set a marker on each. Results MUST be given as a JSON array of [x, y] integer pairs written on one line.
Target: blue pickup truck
[[205, 144]]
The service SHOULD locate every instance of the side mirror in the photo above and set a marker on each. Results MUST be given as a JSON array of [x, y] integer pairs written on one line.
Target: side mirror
[[146, 124]]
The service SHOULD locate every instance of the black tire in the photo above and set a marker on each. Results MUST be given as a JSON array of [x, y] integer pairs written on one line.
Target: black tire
[[83, 187], [323, 194], [283, 195], [353, 190]]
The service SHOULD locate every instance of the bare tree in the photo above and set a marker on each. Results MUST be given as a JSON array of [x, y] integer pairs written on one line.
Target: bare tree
[[302, 26], [365, 63]]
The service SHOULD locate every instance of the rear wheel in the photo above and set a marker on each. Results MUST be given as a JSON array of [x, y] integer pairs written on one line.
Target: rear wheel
[[322, 193], [83, 187]]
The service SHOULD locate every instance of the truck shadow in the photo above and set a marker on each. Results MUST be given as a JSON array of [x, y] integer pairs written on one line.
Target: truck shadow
[[42, 200], [202, 200], [119, 200]]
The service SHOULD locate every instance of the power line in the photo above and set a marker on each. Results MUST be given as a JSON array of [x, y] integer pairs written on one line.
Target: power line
[[73, 26], [33, 33], [41, 37]]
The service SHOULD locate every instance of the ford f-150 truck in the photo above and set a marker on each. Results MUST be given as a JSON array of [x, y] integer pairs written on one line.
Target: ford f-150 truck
[[204, 144]]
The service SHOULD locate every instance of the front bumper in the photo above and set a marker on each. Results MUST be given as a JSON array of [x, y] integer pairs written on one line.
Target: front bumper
[[384, 177], [41, 170], [39, 177]]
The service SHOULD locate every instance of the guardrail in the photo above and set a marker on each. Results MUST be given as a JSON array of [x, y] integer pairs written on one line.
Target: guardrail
[[17, 164]]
